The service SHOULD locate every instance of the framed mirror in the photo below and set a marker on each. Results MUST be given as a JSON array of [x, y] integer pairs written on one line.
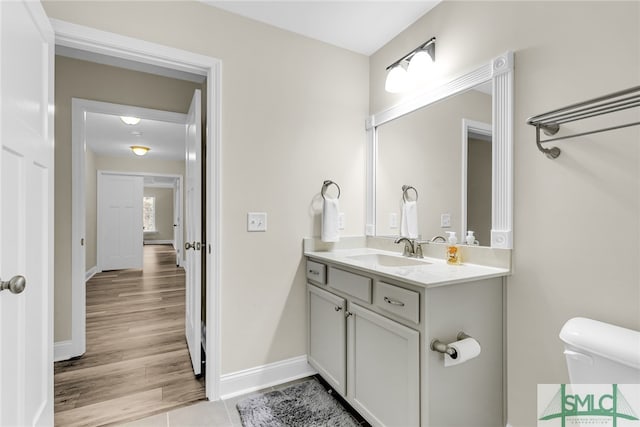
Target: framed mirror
[[454, 144]]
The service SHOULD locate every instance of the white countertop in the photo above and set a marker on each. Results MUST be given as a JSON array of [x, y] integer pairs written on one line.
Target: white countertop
[[435, 272]]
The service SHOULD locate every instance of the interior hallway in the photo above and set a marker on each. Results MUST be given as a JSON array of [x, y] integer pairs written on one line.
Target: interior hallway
[[137, 363]]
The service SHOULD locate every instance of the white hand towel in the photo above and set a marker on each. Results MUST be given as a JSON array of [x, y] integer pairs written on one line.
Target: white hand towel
[[409, 220], [330, 212]]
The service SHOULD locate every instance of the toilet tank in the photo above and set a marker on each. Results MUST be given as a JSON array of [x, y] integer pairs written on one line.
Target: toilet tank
[[600, 353]]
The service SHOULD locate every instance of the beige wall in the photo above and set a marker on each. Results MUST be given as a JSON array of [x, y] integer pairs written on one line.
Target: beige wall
[[164, 213], [479, 190], [80, 79], [91, 211], [577, 217], [293, 116]]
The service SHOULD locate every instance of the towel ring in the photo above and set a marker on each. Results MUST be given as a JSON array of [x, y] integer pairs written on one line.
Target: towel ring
[[405, 191], [326, 185]]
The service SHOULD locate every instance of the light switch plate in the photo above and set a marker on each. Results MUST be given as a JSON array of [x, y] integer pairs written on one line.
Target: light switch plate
[[393, 220], [257, 221], [445, 220]]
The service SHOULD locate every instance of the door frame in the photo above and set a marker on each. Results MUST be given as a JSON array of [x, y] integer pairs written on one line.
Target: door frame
[[80, 204], [128, 48]]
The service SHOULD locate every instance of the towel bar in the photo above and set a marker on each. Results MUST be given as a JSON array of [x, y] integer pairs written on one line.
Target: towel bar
[[405, 191], [326, 185]]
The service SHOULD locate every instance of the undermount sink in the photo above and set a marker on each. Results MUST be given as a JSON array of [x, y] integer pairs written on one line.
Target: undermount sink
[[388, 260]]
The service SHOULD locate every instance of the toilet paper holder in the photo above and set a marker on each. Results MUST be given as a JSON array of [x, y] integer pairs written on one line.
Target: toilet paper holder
[[440, 347]]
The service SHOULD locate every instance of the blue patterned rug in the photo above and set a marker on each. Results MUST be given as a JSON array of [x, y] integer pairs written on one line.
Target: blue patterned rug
[[305, 404]]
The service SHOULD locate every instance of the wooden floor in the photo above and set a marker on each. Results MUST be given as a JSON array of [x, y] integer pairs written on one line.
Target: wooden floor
[[137, 363]]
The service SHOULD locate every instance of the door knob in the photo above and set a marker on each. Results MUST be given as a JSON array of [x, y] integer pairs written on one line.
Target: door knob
[[15, 285]]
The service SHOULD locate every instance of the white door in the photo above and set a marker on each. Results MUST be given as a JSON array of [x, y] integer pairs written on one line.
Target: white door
[[26, 215], [193, 224], [120, 235], [177, 221]]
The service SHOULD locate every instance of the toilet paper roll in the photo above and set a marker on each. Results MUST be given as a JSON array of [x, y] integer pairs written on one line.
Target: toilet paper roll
[[466, 349]]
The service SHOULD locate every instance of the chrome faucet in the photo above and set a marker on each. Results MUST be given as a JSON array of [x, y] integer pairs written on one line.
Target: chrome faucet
[[436, 238], [409, 248]]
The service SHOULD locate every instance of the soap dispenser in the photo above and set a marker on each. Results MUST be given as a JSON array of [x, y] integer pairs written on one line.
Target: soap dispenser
[[471, 239], [453, 252]]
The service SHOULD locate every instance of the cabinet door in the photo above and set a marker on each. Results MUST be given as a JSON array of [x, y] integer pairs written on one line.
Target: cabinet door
[[327, 337], [383, 366]]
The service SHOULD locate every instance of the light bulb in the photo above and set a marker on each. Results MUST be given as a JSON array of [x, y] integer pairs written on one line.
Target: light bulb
[[397, 80], [130, 120], [139, 150], [420, 66]]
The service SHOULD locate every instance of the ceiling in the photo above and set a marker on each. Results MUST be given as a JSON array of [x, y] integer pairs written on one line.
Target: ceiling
[[107, 135], [360, 26]]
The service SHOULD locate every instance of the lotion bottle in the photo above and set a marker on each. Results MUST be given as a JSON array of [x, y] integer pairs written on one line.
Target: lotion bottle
[[471, 239], [453, 252]]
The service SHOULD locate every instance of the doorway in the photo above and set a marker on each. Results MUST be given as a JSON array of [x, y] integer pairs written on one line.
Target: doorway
[[130, 49]]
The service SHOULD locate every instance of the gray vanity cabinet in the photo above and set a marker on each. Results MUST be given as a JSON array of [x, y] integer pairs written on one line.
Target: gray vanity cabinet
[[327, 336], [371, 360], [383, 367]]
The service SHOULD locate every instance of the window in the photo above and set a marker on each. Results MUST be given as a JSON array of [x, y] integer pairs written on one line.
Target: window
[[149, 213]]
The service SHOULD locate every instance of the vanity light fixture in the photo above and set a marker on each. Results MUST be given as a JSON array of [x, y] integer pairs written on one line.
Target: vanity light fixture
[[139, 150], [409, 69], [130, 120]]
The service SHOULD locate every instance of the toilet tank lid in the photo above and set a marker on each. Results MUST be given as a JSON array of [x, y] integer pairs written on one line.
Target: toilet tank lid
[[610, 341]]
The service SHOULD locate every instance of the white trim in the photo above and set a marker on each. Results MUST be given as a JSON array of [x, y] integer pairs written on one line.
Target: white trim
[[159, 185], [90, 273], [158, 242], [248, 380], [63, 350], [93, 40], [499, 71]]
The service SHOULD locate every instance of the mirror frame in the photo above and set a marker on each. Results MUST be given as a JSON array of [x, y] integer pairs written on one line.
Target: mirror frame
[[500, 72]]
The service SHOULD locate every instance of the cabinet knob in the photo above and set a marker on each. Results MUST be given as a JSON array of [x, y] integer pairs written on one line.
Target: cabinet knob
[[16, 285], [337, 308], [348, 314]]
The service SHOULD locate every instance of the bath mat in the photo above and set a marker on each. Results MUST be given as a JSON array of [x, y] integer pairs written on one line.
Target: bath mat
[[305, 404]]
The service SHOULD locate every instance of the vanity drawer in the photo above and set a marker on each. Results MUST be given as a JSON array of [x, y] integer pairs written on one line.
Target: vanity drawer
[[350, 283], [316, 272], [399, 301]]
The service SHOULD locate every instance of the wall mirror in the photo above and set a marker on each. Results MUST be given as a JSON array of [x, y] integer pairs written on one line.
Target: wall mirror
[[454, 144]]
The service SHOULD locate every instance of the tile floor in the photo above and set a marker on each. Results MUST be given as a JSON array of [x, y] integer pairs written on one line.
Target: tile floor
[[207, 414]]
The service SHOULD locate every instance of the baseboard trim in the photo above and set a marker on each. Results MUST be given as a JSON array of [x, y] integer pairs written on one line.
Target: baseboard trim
[[248, 380], [158, 242], [90, 273], [63, 350]]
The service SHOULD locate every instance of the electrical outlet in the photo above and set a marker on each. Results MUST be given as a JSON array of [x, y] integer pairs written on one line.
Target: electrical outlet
[[393, 220], [445, 220], [257, 221], [341, 221]]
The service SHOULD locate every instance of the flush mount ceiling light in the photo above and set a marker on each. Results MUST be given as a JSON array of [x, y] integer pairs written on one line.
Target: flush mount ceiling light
[[411, 68], [139, 150], [130, 120]]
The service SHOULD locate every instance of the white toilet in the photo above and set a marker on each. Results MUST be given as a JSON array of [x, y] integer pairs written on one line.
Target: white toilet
[[600, 353]]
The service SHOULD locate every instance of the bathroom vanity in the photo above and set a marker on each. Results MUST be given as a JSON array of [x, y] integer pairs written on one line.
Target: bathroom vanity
[[373, 315]]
